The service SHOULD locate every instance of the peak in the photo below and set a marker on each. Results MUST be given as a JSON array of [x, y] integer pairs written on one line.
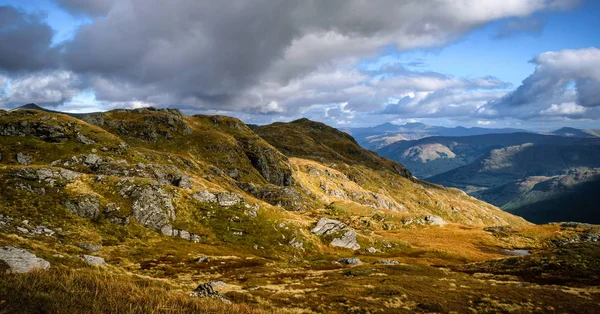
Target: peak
[[30, 106], [302, 120]]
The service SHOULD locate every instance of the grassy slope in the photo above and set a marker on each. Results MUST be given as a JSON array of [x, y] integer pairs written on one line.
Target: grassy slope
[[290, 278]]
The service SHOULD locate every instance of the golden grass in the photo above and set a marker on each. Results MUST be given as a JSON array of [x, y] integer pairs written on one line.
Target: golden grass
[[96, 291]]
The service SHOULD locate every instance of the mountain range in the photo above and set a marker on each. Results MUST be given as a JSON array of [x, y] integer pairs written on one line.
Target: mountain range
[[149, 209]]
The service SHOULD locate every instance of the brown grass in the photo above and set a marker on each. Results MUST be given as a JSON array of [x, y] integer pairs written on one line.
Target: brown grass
[[96, 291]]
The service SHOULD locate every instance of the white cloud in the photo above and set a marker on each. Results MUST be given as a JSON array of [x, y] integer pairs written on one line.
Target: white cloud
[[569, 108]]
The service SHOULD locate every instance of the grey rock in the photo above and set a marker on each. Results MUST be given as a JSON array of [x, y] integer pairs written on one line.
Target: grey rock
[[93, 260], [371, 250], [217, 284], [435, 220], [118, 220], [347, 240], [205, 197], [203, 259], [23, 159], [295, 243], [386, 262], [41, 130], [183, 182], [184, 235], [152, 206], [327, 226], [84, 139], [22, 230], [90, 247], [167, 230], [86, 206], [350, 261], [207, 290], [21, 261], [227, 199], [92, 160]]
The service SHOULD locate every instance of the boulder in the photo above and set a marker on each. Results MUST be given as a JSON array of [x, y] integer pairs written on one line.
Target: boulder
[[94, 260], [21, 261], [350, 261], [205, 197], [90, 247], [152, 206], [331, 227], [86, 206], [227, 199], [23, 159], [435, 220]]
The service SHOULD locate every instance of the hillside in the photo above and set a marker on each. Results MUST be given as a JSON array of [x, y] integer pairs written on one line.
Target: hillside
[[430, 156], [272, 219], [540, 199], [503, 165]]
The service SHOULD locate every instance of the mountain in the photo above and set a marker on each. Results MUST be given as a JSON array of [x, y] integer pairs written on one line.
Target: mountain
[[385, 134], [511, 163], [434, 155], [573, 132], [567, 197], [150, 210]]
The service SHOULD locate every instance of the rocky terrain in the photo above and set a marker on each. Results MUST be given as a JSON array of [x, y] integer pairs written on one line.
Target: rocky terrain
[[150, 210]]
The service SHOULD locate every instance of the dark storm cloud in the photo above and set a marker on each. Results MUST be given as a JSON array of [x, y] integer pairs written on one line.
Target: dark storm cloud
[[25, 42]]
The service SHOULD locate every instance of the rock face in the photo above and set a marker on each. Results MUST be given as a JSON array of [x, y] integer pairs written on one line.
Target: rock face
[[43, 131], [344, 236], [86, 206], [93, 260], [152, 206], [21, 261]]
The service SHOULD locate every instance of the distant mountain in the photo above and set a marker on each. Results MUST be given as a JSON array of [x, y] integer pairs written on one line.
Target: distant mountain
[[503, 165], [36, 107], [568, 197], [385, 134], [573, 132], [434, 155]]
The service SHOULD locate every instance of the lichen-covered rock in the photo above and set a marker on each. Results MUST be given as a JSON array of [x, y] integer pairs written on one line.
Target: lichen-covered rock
[[152, 206], [49, 176], [344, 236], [85, 205], [227, 199], [90, 247], [94, 260], [350, 261], [84, 139], [41, 130], [435, 220], [205, 197], [23, 159], [21, 261]]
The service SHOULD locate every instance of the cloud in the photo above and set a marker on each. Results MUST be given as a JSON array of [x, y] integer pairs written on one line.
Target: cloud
[[49, 88], [514, 27], [565, 81], [217, 55], [25, 42], [565, 109]]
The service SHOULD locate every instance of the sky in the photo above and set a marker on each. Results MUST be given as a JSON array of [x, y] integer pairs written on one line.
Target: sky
[[532, 64]]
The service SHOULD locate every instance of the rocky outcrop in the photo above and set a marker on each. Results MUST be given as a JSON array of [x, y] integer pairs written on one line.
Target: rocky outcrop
[[94, 260], [287, 197], [152, 206], [21, 261], [90, 247], [49, 176], [343, 236], [207, 290], [386, 262], [225, 199], [23, 159], [435, 220], [271, 164], [85, 205], [41, 130], [350, 261]]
